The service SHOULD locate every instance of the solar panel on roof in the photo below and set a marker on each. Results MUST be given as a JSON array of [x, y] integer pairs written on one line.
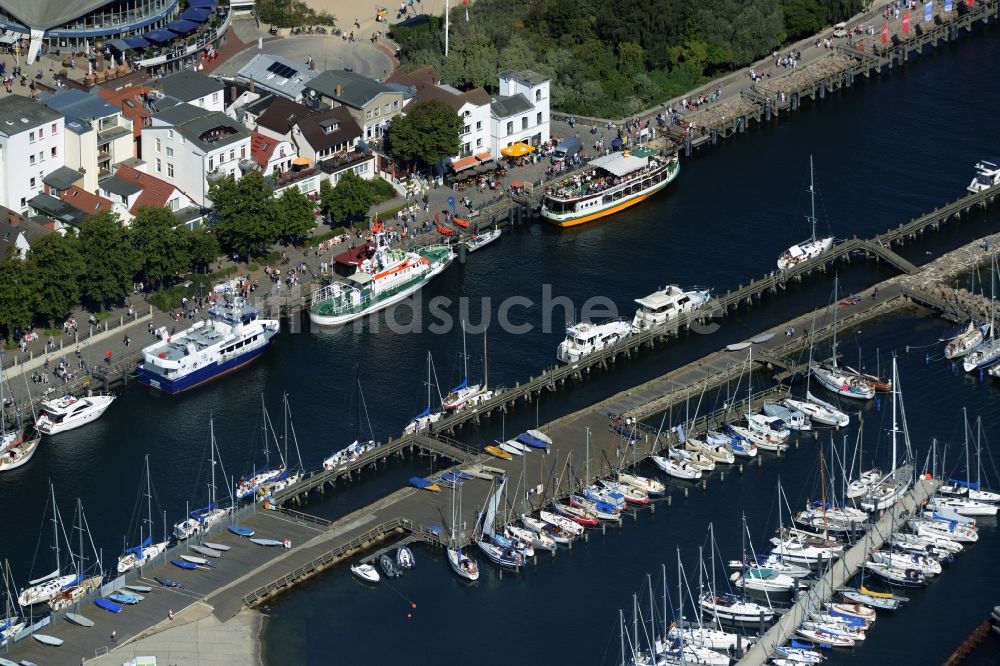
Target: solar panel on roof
[[284, 71]]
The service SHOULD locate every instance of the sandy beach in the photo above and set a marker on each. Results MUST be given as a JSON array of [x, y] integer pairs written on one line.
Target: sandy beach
[[347, 11]]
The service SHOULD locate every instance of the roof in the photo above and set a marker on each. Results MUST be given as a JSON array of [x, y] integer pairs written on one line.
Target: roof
[[194, 130], [188, 86], [262, 147], [155, 192], [180, 114], [58, 210], [120, 186], [277, 74], [19, 113], [355, 90], [62, 178], [505, 107], [129, 100], [328, 128], [425, 85], [661, 299], [259, 106], [78, 104], [42, 14], [13, 224], [281, 113], [81, 199], [619, 164], [525, 76]]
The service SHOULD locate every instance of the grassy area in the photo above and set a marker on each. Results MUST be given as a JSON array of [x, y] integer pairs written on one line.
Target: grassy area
[[101, 316], [292, 14]]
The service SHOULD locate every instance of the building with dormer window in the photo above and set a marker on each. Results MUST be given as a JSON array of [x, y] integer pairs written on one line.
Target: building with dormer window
[[520, 112]]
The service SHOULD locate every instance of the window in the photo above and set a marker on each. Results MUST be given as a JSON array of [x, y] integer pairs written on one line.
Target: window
[[172, 204], [159, 146], [41, 132], [24, 203], [376, 112], [395, 104], [386, 109], [368, 114], [31, 159], [170, 151], [524, 123], [53, 151], [538, 118], [243, 152], [32, 182], [479, 142], [211, 164], [510, 127], [170, 169], [159, 165], [31, 137], [232, 154], [170, 134], [41, 157], [479, 125], [53, 129], [538, 95], [215, 97], [466, 129]]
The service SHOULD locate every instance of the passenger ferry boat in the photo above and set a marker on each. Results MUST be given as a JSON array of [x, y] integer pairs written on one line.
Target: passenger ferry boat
[[987, 176], [611, 184], [231, 337], [663, 305], [388, 277], [586, 338]]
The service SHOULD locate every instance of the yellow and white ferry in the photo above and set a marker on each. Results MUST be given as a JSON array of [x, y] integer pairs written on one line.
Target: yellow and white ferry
[[611, 183]]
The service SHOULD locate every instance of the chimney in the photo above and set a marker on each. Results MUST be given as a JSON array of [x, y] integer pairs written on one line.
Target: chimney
[[338, 90], [250, 86], [15, 219], [232, 93]]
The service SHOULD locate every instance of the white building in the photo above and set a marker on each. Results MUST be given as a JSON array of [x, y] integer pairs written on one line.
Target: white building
[[195, 89], [276, 75], [191, 147], [130, 189], [31, 147], [520, 113]]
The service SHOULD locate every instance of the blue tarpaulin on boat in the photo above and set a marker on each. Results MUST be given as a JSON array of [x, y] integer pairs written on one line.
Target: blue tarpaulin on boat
[[418, 482], [974, 485], [207, 4], [532, 441], [461, 386], [138, 549], [136, 42], [182, 27], [160, 36], [426, 412], [197, 15]]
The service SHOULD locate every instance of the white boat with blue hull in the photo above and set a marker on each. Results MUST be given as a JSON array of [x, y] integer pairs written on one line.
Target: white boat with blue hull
[[231, 337]]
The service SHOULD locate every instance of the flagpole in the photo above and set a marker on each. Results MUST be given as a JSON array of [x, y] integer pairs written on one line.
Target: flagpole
[[446, 12]]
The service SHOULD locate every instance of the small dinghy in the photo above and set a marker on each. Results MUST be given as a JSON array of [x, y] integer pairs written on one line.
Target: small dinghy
[[194, 560], [532, 439], [737, 346], [239, 530], [424, 484], [365, 572], [124, 598], [270, 543], [166, 582], [7, 662], [109, 606], [388, 567], [497, 452], [79, 620], [404, 558], [761, 339], [205, 550], [45, 639], [221, 547], [143, 589], [184, 564]]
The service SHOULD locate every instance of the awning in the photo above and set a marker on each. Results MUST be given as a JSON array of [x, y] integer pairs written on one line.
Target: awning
[[463, 164], [136, 42], [517, 150], [206, 4], [484, 157], [196, 14], [301, 161], [8, 39], [182, 27], [118, 45], [160, 36]]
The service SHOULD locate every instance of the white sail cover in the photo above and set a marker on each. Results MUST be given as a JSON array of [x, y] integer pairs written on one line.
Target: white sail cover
[[491, 508]]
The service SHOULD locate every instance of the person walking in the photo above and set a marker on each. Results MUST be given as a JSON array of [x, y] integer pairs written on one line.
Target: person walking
[[114, 636]]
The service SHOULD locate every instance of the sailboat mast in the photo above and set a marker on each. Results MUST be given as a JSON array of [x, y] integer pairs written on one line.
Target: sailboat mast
[[895, 427], [149, 500], [666, 631], [55, 524], [211, 446], [428, 380], [587, 430], [833, 346], [486, 365], [968, 461], [79, 513], [812, 197], [465, 355]]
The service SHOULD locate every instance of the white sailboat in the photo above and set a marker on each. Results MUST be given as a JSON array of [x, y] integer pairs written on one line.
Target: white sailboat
[[425, 418], [463, 565], [42, 589], [359, 447], [809, 249], [146, 551], [832, 378], [84, 583], [466, 394], [896, 482], [987, 353], [201, 520]]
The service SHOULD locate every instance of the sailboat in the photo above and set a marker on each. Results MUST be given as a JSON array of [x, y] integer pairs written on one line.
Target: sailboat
[[832, 378], [729, 607], [84, 584], [505, 556], [819, 411], [146, 551], [968, 488], [467, 394], [14, 436], [463, 565], [358, 447], [897, 481], [44, 588], [425, 418], [252, 487], [809, 249], [15, 448], [202, 519], [292, 475], [11, 621], [987, 353]]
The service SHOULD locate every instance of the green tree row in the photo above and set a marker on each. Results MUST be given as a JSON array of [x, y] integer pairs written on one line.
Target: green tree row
[[613, 59], [352, 197]]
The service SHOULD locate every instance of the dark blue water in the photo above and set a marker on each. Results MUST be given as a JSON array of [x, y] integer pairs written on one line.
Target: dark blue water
[[884, 152]]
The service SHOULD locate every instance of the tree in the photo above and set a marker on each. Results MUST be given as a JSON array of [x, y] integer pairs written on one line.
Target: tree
[[56, 263], [161, 247], [296, 216], [18, 293], [203, 248], [429, 132], [350, 199], [111, 263], [247, 214]]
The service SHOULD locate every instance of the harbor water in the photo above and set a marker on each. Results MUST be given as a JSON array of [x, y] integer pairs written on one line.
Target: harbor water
[[884, 151]]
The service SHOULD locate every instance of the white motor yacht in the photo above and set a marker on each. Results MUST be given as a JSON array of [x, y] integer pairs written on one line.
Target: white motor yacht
[[586, 338], [70, 412], [666, 304], [987, 176]]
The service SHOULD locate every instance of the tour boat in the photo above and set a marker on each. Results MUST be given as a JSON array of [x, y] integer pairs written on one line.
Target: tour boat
[[809, 249], [586, 338], [666, 304], [232, 336], [609, 184], [365, 572], [387, 277], [987, 176], [482, 239], [70, 412]]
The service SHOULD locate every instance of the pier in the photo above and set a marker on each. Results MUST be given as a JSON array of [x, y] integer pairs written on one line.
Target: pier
[[824, 589]]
